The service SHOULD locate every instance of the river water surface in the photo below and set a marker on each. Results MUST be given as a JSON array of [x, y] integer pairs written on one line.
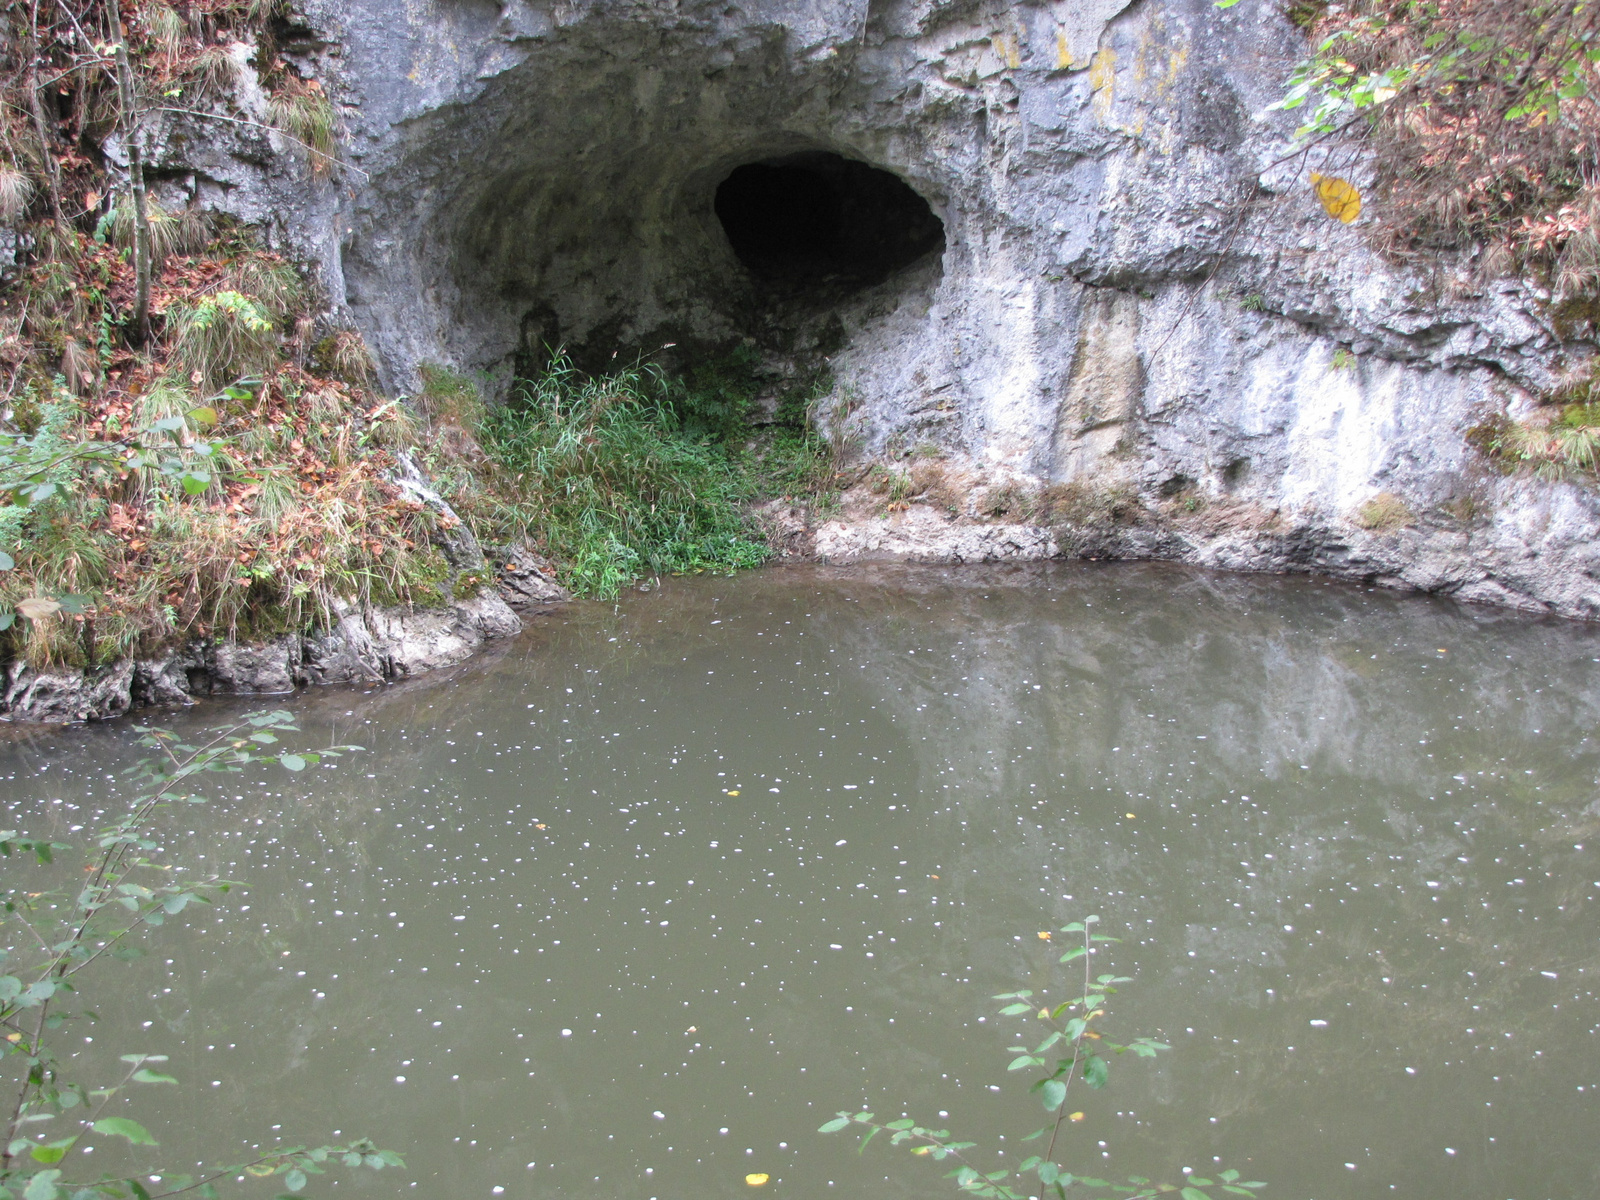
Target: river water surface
[[632, 909]]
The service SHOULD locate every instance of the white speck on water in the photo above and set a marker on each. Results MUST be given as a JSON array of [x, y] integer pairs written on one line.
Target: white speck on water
[[566, 1033], [1319, 1024], [841, 842], [399, 1078], [658, 1114]]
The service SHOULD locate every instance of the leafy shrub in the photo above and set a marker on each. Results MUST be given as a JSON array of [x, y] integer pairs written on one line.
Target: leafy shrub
[[122, 891], [1072, 1050], [714, 396]]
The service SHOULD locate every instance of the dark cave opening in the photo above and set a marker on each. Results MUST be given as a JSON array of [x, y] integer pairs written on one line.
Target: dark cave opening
[[818, 223]]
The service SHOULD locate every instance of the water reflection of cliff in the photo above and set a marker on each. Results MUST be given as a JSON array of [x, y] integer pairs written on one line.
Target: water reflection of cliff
[[1345, 807]]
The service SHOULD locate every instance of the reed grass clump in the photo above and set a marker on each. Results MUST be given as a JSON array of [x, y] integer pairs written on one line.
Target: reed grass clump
[[602, 474]]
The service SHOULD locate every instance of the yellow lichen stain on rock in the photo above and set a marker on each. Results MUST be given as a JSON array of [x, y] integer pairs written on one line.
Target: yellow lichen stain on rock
[[1007, 48], [1063, 52], [1175, 65], [968, 57], [1102, 80]]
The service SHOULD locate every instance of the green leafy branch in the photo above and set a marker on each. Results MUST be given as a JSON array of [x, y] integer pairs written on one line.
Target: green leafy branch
[[1556, 67], [64, 931], [1073, 1049]]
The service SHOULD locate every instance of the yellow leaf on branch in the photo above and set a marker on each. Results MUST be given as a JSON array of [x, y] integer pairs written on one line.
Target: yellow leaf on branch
[[1338, 196]]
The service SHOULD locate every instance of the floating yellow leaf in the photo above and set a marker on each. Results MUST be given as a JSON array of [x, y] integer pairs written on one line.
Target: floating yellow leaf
[[1044, 935], [1130, 816], [921, 1149], [1078, 1116], [1338, 196], [733, 792], [756, 1180]]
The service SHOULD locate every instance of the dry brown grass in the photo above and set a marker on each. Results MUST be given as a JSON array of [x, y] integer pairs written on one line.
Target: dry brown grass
[[1084, 503], [16, 189], [935, 482], [1384, 513]]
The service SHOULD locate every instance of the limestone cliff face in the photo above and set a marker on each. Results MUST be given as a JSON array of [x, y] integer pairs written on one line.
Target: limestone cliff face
[[1136, 288]]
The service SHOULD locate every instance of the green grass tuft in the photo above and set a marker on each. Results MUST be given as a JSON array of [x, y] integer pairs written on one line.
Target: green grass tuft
[[611, 485]]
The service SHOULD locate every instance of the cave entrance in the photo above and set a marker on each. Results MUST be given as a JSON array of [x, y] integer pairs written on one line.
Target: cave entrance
[[818, 226]]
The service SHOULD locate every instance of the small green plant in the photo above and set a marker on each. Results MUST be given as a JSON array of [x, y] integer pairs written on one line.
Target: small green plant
[[1467, 509], [61, 933], [1073, 1050], [1090, 504], [1304, 14], [1253, 302], [1013, 500], [1343, 360], [270, 281], [170, 233], [216, 71]]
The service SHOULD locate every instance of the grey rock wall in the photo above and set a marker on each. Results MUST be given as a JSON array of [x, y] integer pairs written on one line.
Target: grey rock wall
[[1112, 189]]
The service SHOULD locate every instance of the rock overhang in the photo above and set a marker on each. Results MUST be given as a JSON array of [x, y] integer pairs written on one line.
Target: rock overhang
[[1135, 285]]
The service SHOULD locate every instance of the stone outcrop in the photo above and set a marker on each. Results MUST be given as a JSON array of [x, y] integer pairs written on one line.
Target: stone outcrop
[[373, 646]]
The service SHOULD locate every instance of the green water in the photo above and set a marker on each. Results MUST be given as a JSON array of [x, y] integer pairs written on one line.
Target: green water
[[533, 941]]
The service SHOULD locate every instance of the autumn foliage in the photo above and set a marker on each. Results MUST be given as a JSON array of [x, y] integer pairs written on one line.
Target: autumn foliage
[[1481, 122]]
